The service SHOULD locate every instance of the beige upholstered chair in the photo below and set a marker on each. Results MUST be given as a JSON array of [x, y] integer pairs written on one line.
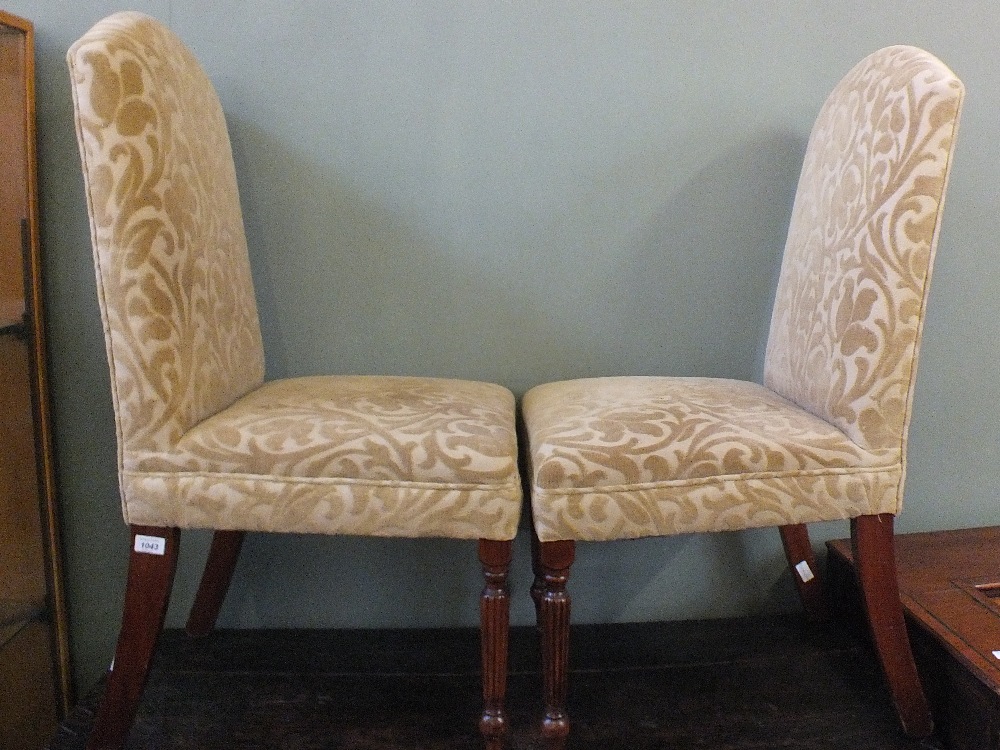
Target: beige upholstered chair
[[825, 437], [203, 441]]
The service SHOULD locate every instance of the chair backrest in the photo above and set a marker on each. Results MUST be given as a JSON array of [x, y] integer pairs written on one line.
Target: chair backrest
[[849, 307], [173, 273]]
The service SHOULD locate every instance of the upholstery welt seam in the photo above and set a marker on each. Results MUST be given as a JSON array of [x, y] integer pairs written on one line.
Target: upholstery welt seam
[[701, 481], [318, 480]]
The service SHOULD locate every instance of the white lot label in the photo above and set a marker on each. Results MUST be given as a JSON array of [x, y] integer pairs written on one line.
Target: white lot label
[[150, 545], [804, 571]]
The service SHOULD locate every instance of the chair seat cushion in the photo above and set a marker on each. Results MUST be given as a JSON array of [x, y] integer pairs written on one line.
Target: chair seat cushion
[[385, 456], [615, 458]]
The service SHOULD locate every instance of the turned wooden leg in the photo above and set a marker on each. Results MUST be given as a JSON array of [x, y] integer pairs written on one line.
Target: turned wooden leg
[[805, 572], [555, 559], [494, 613], [219, 567], [152, 563], [875, 562], [538, 584]]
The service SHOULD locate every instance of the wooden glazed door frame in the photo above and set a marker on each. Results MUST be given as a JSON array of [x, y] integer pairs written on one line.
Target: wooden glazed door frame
[[35, 335]]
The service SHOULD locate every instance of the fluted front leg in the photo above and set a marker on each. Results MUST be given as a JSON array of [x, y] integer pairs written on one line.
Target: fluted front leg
[[494, 610], [555, 559], [538, 584]]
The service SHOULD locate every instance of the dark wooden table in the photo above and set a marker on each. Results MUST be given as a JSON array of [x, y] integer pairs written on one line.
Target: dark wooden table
[[950, 588]]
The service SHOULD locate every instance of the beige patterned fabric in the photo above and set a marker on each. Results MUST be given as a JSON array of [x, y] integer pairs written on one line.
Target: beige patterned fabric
[[202, 441], [173, 275], [616, 458], [849, 308]]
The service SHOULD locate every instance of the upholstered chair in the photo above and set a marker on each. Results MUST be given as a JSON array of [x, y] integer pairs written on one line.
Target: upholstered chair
[[824, 437], [203, 440]]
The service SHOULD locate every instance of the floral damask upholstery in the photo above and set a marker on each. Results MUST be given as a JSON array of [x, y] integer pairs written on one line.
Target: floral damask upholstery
[[618, 458], [202, 440], [825, 437]]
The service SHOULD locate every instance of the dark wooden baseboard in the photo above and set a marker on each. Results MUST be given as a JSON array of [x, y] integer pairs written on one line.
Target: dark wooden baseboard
[[950, 588]]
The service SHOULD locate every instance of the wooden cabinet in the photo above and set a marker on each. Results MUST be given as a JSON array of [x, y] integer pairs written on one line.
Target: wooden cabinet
[[34, 662]]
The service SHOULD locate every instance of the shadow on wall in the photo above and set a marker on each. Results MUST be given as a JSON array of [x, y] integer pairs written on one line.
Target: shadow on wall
[[641, 275], [717, 247], [346, 284], [651, 275], [689, 576]]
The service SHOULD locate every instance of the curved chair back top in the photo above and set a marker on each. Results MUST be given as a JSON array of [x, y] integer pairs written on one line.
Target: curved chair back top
[[849, 307], [173, 274]]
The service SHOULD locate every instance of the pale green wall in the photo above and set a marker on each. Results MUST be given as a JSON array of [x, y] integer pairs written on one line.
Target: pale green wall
[[520, 192]]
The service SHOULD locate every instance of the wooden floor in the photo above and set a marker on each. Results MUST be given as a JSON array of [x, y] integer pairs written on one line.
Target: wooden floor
[[733, 684]]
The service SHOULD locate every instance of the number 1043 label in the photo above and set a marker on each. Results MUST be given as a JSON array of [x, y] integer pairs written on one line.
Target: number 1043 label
[[150, 545]]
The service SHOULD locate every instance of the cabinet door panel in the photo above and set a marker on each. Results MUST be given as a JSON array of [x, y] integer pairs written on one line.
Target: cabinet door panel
[[21, 548], [13, 186]]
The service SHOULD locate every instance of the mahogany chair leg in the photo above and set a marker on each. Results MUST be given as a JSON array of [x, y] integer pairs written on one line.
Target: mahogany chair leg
[[215, 580], [152, 563], [554, 561], [805, 572], [538, 583], [494, 612], [875, 562]]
